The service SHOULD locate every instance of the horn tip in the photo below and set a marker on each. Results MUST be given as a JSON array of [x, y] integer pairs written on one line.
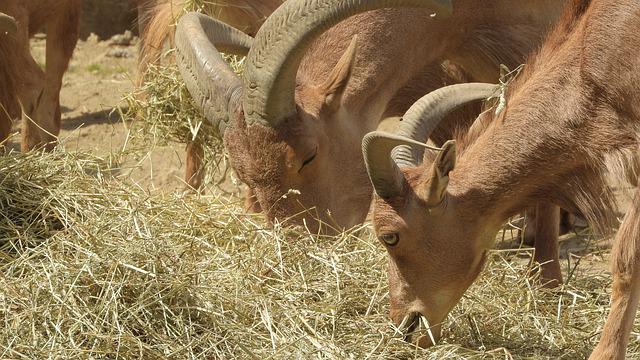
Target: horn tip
[[8, 24]]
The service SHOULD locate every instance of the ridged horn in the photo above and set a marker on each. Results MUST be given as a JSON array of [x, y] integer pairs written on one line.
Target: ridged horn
[[424, 115], [384, 173], [385, 153], [7, 24], [214, 86], [281, 43]]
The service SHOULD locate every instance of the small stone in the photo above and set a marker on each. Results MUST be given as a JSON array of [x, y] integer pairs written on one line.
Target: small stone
[[122, 39], [119, 53], [93, 39]]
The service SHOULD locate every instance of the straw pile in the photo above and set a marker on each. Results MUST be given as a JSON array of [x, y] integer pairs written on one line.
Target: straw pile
[[93, 267]]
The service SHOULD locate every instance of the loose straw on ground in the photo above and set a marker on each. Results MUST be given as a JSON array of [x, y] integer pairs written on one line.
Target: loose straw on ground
[[93, 267]]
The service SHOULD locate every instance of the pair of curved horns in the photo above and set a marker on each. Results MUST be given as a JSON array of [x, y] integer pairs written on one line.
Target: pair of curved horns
[[385, 153], [7, 24], [267, 94]]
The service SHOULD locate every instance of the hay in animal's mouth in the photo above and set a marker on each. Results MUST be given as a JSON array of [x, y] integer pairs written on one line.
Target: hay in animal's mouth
[[93, 266]]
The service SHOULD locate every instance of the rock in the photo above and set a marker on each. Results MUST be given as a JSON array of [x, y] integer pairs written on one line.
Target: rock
[[119, 53], [93, 38], [122, 39]]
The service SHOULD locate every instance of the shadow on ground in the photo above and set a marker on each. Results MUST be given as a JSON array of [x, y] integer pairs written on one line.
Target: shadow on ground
[[108, 116]]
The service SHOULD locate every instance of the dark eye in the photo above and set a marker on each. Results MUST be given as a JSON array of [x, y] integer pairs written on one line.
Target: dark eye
[[391, 239], [309, 159]]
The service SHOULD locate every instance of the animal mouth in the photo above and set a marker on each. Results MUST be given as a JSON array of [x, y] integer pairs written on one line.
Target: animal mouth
[[414, 326]]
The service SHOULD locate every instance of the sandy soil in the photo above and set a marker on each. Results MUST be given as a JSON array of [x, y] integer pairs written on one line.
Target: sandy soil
[[99, 76]]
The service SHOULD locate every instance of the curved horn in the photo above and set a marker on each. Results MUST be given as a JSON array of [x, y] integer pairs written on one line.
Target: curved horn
[[281, 43], [383, 171], [7, 24], [385, 153], [214, 86], [425, 114]]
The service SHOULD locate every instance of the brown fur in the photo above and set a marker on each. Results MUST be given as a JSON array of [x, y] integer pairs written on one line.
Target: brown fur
[[570, 117], [399, 57], [24, 84]]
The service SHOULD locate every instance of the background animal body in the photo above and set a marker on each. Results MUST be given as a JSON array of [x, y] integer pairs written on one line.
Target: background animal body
[[26, 85], [23, 83], [157, 19], [575, 106], [398, 53]]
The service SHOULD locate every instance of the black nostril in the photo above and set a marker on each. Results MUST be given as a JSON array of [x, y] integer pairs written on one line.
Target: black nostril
[[409, 325], [415, 327]]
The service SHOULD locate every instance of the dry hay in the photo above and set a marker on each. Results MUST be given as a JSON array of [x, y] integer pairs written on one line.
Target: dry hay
[[93, 267], [161, 111]]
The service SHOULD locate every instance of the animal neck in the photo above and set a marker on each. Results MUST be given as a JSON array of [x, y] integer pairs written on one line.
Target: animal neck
[[497, 32], [563, 128], [393, 53], [518, 161]]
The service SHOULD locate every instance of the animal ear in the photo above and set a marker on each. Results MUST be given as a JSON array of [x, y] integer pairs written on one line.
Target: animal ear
[[336, 84], [445, 162]]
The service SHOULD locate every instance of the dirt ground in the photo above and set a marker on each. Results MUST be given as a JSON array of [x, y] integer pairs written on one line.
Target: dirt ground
[[99, 76]]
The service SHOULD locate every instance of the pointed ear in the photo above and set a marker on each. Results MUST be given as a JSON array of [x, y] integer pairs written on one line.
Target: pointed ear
[[434, 190], [334, 87]]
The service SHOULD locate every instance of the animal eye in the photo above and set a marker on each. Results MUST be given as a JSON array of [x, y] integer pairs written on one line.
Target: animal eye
[[309, 159], [390, 239]]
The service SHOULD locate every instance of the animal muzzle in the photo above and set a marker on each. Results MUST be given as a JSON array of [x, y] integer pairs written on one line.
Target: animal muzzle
[[292, 209], [416, 329]]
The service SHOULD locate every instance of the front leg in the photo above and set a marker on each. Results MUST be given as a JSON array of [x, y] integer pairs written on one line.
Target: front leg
[[195, 171], [251, 203], [547, 224], [41, 120], [625, 261]]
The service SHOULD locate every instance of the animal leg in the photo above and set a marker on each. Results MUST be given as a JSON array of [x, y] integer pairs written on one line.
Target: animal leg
[[625, 265], [251, 202], [568, 222], [28, 75], [5, 130], [30, 90], [62, 36], [528, 234], [11, 59], [195, 172], [8, 101], [546, 225]]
